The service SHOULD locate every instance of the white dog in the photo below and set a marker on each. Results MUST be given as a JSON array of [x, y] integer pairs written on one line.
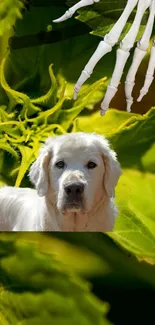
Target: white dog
[[75, 176]]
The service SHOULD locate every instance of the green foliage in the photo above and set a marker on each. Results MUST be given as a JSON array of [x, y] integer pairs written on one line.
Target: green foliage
[[10, 10], [37, 288], [34, 120], [35, 284], [102, 16], [135, 226]]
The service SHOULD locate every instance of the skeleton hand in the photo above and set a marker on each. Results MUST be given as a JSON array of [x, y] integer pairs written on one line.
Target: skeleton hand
[[123, 52]]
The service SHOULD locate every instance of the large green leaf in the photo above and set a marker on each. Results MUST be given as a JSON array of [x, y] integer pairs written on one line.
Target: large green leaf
[[101, 16], [135, 225]]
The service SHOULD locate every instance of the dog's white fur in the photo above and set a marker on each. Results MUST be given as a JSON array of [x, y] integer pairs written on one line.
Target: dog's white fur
[[47, 208]]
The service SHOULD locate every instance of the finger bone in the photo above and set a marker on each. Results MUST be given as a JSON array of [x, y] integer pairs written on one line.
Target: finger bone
[[149, 74], [102, 49], [121, 59], [69, 13]]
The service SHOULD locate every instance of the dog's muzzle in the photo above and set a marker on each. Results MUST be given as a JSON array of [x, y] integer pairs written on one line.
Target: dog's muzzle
[[74, 195]]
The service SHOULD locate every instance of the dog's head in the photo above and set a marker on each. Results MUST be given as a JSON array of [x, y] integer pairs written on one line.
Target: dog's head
[[77, 169]]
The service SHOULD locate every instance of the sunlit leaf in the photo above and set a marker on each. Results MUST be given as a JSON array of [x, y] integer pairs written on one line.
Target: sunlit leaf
[[135, 225], [28, 156]]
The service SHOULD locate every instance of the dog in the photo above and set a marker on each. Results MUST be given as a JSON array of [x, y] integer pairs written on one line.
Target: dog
[[74, 176]]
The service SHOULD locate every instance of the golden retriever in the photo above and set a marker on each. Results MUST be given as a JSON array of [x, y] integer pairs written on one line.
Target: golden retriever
[[75, 177]]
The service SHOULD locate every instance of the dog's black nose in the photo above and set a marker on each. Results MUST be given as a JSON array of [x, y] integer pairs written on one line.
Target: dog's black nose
[[74, 189]]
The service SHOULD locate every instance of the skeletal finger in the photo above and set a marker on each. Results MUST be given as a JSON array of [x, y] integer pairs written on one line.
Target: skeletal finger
[[149, 74], [124, 52], [70, 12], [130, 80], [106, 45], [121, 58], [139, 54], [101, 50]]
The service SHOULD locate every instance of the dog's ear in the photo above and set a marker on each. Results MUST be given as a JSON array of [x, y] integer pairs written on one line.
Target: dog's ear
[[39, 172], [112, 172], [112, 166]]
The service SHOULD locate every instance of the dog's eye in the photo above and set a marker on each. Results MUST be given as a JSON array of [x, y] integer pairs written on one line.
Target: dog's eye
[[91, 165], [60, 164]]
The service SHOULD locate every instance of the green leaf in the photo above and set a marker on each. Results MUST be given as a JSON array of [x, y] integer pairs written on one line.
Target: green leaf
[[135, 225], [47, 120], [148, 160], [28, 156], [37, 288], [6, 147], [10, 10], [67, 116], [102, 16]]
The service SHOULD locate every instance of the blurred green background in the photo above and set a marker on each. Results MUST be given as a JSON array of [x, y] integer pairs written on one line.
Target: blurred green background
[[72, 279]]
